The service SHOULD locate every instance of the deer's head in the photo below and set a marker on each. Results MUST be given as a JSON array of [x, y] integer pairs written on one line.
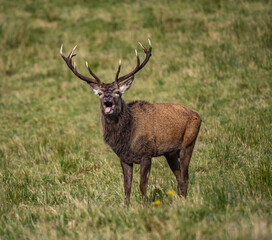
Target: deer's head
[[110, 94]]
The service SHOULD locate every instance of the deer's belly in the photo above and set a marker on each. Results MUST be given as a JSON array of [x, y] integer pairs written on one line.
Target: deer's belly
[[167, 148]]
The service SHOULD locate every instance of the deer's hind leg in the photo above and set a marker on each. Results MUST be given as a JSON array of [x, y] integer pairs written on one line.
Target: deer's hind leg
[[174, 164], [187, 148], [185, 157]]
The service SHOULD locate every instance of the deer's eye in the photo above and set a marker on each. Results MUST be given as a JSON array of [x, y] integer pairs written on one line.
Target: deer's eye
[[99, 94], [118, 93]]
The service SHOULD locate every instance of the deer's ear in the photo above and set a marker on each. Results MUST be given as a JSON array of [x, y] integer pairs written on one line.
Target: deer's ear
[[95, 88], [124, 86]]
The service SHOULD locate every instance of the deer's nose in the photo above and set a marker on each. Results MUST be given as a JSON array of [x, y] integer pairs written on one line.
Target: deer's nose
[[107, 98]]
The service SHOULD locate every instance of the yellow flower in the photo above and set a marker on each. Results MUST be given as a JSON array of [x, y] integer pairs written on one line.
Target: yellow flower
[[171, 192], [157, 203]]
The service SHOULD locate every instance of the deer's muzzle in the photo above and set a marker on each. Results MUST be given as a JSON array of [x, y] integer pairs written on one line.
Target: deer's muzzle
[[108, 107]]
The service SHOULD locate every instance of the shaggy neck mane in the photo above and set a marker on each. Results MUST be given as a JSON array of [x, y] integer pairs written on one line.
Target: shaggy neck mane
[[118, 129]]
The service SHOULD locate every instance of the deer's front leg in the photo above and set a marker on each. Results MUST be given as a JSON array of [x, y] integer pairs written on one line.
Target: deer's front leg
[[128, 173], [144, 172]]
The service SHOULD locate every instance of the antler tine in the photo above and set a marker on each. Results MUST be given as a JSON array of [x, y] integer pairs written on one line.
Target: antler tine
[[72, 52], [138, 59], [91, 72], [118, 71], [139, 66], [145, 50], [61, 47], [69, 63]]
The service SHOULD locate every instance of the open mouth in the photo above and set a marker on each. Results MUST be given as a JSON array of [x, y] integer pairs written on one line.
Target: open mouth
[[108, 107]]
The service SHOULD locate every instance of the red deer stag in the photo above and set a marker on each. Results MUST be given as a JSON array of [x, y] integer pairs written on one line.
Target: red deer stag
[[140, 130]]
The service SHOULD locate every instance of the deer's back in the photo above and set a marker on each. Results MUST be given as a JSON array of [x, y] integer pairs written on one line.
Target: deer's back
[[160, 127]]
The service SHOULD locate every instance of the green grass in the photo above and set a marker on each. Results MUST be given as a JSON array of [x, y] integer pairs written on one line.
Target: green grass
[[58, 180]]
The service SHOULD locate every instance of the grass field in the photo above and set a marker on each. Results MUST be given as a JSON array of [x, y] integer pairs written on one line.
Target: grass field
[[58, 180]]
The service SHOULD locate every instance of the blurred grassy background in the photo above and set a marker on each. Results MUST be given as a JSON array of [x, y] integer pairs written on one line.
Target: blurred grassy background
[[57, 177]]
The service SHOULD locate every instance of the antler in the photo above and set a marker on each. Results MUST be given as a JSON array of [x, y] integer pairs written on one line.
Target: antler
[[138, 66], [68, 61]]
